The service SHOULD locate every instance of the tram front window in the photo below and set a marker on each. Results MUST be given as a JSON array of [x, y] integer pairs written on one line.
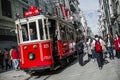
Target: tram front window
[[33, 31], [29, 32], [24, 32]]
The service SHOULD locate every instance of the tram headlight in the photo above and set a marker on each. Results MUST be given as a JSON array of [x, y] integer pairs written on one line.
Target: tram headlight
[[31, 56], [34, 46]]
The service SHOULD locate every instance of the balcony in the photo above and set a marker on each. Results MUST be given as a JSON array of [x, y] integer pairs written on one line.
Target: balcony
[[113, 16], [72, 6], [118, 9]]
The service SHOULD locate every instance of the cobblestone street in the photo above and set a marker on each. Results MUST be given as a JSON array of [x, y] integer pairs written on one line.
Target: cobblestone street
[[74, 71]]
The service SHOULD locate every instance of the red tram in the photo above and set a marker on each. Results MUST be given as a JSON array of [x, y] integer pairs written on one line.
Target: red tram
[[44, 42]]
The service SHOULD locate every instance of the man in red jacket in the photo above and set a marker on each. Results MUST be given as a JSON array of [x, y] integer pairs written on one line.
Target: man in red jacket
[[14, 57]]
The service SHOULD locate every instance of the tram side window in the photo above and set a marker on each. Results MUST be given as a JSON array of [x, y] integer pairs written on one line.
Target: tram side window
[[18, 33], [41, 29], [24, 32], [33, 31], [52, 29], [46, 30], [68, 33], [63, 33], [72, 35]]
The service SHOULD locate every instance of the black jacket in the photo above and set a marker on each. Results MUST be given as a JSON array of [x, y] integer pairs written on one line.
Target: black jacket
[[79, 47]]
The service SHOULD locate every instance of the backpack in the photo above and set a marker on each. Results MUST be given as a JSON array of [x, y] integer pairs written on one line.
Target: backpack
[[98, 47]]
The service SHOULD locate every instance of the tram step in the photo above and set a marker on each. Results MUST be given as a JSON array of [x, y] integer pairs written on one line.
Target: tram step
[[56, 67]]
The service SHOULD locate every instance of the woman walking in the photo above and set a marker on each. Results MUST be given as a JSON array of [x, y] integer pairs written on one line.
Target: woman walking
[[116, 43], [109, 45]]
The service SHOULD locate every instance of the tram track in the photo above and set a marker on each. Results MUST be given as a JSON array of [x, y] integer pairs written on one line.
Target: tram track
[[45, 75], [41, 75]]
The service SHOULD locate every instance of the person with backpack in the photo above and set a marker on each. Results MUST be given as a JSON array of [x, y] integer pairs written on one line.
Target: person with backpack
[[98, 51], [104, 50]]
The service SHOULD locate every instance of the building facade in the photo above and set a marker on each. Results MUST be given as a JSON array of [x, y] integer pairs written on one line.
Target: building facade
[[104, 17], [109, 16], [11, 9]]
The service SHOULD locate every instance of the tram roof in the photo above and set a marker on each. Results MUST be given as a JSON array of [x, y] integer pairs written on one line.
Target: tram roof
[[32, 18]]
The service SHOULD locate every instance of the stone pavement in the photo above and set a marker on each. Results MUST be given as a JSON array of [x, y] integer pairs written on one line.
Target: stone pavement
[[74, 71], [90, 71]]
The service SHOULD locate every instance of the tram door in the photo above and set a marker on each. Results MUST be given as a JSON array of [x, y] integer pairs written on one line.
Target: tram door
[[53, 36]]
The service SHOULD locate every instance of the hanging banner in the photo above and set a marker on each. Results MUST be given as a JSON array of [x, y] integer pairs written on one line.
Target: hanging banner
[[63, 10]]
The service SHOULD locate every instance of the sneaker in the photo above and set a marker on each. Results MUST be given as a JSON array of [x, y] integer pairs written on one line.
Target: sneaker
[[93, 60], [100, 68]]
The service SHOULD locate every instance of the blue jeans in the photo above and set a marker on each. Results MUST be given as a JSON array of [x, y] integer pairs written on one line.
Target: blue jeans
[[93, 54], [110, 51], [15, 63]]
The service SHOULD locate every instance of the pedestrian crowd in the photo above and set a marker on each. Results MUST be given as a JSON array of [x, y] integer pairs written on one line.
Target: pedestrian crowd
[[9, 59], [99, 49]]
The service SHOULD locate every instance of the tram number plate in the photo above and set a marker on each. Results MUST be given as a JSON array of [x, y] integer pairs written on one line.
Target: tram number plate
[[46, 45]]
